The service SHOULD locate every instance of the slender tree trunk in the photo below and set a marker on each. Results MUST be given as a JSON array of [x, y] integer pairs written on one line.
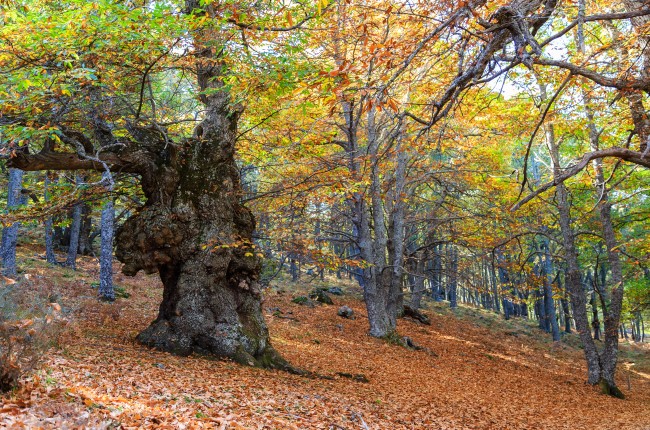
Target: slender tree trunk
[[597, 374], [453, 280], [50, 256], [438, 294], [612, 311], [548, 294], [418, 281], [106, 291], [595, 321], [75, 229], [565, 310], [396, 236], [495, 287], [10, 234], [85, 244]]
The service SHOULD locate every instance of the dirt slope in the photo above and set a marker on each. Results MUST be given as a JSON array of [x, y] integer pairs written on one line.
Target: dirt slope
[[476, 372]]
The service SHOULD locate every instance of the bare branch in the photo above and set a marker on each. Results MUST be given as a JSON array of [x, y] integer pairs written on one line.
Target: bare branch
[[635, 157]]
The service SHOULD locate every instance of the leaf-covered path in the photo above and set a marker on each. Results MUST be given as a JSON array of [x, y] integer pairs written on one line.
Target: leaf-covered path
[[476, 372]]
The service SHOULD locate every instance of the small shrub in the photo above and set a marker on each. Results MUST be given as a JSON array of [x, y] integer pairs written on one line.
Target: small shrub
[[120, 293], [300, 300], [321, 296], [269, 271], [29, 325]]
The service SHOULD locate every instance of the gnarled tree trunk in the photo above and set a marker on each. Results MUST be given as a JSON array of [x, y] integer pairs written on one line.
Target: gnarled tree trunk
[[197, 235]]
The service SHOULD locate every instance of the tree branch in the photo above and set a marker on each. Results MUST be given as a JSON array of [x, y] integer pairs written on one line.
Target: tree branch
[[642, 159], [620, 84], [50, 160]]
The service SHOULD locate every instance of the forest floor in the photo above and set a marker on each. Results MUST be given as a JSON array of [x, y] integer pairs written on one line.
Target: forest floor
[[477, 371]]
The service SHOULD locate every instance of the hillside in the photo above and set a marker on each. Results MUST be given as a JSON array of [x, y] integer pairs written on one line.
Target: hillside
[[476, 371]]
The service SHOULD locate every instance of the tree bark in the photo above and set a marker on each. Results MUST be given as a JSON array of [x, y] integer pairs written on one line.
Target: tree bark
[[106, 290], [10, 234], [75, 230], [565, 310], [597, 374], [85, 244], [453, 278], [612, 310], [50, 256]]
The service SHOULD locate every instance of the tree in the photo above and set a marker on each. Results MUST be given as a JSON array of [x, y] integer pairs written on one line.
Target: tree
[[50, 256], [10, 233], [106, 291], [192, 230], [75, 231]]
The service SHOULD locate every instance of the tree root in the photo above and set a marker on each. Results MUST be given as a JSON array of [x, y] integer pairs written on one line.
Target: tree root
[[610, 389]]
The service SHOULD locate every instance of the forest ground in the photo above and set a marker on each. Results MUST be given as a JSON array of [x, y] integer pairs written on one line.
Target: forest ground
[[477, 371]]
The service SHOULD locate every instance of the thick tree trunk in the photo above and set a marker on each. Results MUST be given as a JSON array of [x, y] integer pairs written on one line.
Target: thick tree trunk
[[192, 229], [196, 234]]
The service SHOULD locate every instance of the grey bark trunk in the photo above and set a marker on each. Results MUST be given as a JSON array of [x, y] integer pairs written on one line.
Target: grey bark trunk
[[106, 290], [612, 315], [549, 302], [75, 230], [597, 373], [50, 256], [10, 234], [418, 279], [565, 310], [453, 277], [396, 236]]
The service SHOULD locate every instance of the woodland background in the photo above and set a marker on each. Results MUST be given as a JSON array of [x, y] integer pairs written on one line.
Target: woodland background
[[467, 181]]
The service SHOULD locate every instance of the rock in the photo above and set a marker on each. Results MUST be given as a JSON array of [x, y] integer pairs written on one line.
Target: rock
[[345, 312], [321, 297], [300, 300], [416, 315], [335, 290], [408, 342], [359, 377]]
